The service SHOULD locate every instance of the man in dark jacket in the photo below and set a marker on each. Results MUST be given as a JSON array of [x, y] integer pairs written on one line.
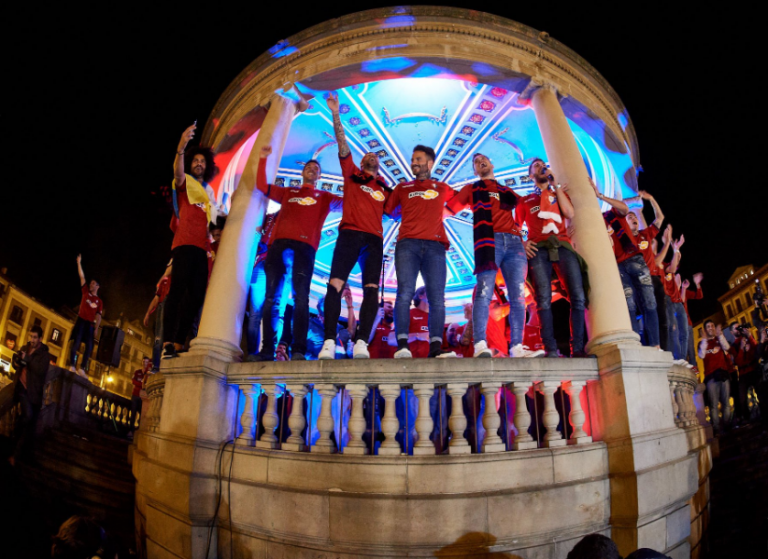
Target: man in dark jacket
[[31, 364]]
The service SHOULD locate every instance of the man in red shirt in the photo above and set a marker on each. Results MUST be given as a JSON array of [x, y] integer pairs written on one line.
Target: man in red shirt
[[378, 343], [139, 380], [419, 328], [713, 350], [297, 230], [744, 352], [88, 320], [458, 337], [545, 212], [421, 248], [360, 240], [498, 246], [688, 295], [158, 304], [194, 209]]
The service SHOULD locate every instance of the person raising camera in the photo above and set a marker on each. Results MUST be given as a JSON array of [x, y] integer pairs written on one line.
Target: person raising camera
[[744, 351]]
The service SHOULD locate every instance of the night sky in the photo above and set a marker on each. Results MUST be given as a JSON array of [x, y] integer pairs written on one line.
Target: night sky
[[95, 102]]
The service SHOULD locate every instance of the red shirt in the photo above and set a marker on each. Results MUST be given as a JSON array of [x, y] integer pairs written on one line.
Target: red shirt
[[496, 335], [744, 357], [163, 288], [363, 203], [421, 205], [138, 381], [419, 325], [503, 220], [527, 211], [192, 226], [715, 358], [689, 295], [670, 287], [461, 350], [302, 209], [90, 305], [624, 242], [644, 240], [379, 347]]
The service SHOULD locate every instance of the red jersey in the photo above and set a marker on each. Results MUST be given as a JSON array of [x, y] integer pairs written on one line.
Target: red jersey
[[461, 350], [744, 357], [644, 240], [379, 347], [670, 287], [527, 211], [421, 205], [302, 209], [364, 199], [624, 242], [90, 305], [715, 357], [689, 295], [419, 325], [192, 226], [496, 335], [138, 381], [503, 220]]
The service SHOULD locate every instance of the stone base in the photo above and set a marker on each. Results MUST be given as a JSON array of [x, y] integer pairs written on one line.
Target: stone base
[[459, 449], [525, 446], [424, 450], [294, 447], [498, 447], [267, 445], [390, 451], [356, 450], [580, 440], [555, 443]]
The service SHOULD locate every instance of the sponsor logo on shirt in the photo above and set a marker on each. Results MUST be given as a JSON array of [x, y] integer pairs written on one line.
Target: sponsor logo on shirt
[[375, 194], [668, 277], [610, 230], [643, 245], [425, 328], [715, 349], [494, 195], [306, 201], [92, 304], [426, 194]]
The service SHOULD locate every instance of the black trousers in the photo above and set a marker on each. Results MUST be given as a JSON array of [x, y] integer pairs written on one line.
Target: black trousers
[[189, 280], [83, 333]]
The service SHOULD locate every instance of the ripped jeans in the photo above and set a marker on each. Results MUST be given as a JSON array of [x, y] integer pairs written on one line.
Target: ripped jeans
[[635, 277], [511, 260]]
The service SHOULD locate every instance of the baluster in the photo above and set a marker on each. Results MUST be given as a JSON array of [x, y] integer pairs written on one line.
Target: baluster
[[296, 421], [523, 440], [325, 421], [457, 421], [88, 403], [491, 419], [577, 416], [680, 399], [389, 423], [356, 425], [270, 419], [158, 409], [553, 437], [424, 423], [248, 418], [675, 409], [690, 409]]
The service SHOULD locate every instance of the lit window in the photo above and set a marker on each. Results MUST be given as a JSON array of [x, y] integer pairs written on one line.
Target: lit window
[[56, 336]]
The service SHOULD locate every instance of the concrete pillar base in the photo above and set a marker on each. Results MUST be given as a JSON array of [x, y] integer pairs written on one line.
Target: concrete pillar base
[[613, 337], [220, 349]]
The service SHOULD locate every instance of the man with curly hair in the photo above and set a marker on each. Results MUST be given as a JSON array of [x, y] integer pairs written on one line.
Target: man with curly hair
[[194, 209]]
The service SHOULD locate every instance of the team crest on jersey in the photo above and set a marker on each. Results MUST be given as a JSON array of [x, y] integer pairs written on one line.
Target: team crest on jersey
[[494, 195], [610, 230], [643, 245], [425, 328], [535, 209], [552, 200], [669, 277], [306, 201], [375, 194], [426, 194]]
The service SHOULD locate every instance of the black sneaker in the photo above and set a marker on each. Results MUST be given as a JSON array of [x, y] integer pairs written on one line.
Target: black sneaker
[[298, 357], [169, 351], [553, 354], [259, 358]]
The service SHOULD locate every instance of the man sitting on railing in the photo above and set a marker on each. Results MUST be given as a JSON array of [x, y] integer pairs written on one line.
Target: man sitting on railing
[[31, 364]]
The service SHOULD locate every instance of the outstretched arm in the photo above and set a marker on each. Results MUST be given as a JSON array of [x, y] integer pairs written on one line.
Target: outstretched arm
[[80, 270], [178, 162], [621, 208], [351, 319], [667, 240], [338, 129], [676, 258], [657, 213]]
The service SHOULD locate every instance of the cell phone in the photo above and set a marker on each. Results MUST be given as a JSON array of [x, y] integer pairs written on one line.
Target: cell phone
[[194, 123]]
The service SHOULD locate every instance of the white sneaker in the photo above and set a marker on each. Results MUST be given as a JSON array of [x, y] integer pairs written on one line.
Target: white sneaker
[[360, 351], [72, 369], [519, 350], [447, 355], [482, 349], [404, 353], [82, 373], [328, 351]]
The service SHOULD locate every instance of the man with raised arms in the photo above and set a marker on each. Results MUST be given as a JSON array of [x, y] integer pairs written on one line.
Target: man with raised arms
[[545, 211], [360, 240], [302, 214], [498, 245], [421, 248]]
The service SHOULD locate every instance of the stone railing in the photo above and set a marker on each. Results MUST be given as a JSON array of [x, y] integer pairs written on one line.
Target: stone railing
[[154, 387], [683, 387], [447, 406]]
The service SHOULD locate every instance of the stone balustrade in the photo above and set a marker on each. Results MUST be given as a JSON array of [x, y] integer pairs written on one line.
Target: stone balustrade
[[683, 386], [153, 403], [424, 407]]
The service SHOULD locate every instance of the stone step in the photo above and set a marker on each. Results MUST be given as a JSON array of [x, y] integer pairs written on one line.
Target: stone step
[[94, 460]]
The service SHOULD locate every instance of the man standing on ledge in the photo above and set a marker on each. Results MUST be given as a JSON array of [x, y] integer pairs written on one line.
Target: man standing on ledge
[[545, 212], [302, 214], [360, 240], [421, 248], [88, 320], [193, 210]]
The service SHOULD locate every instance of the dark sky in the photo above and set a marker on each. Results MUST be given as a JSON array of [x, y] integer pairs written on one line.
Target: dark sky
[[95, 102]]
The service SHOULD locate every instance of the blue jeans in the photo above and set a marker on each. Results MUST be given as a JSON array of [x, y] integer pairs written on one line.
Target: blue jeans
[[679, 334], [256, 294], [635, 277], [719, 391], [428, 257], [569, 272], [83, 333], [511, 260]]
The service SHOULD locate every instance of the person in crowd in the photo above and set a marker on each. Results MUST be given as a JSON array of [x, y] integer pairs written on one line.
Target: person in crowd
[[302, 214], [382, 331], [713, 350], [281, 352], [139, 380], [646, 553], [761, 354], [548, 244], [419, 328], [31, 364], [594, 546], [81, 537], [158, 304], [760, 310], [194, 208], [360, 239], [458, 337], [744, 353], [634, 272], [667, 277], [318, 330], [421, 248], [498, 244], [88, 320], [675, 309], [688, 294], [215, 231]]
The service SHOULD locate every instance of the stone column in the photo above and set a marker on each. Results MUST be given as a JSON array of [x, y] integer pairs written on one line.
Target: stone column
[[551, 418], [577, 416], [608, 317], [491, 419], [222, 321], [389, 423], [424, 423], [296, 421], [248, 419], [523, 441], [325, 421], [270, 419], [457, 422], [356, 425]]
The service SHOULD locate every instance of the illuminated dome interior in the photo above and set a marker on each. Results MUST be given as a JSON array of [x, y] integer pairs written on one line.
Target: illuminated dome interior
[[457, 117]]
